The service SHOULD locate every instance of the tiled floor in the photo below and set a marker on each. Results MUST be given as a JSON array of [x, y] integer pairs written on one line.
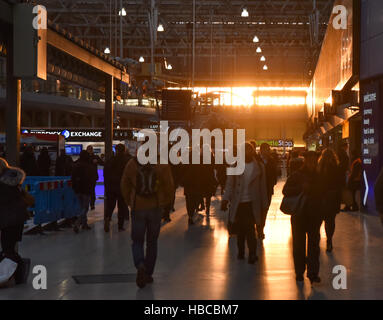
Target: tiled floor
[[199, 262]]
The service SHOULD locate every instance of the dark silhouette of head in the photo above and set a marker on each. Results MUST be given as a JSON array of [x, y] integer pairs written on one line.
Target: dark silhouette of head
[[84, 156]]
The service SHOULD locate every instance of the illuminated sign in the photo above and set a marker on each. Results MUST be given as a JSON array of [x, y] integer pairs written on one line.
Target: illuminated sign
[[289, 143]]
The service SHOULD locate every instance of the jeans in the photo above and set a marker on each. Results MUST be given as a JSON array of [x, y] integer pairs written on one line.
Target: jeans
[[92, 199], [84, 200], [330, 226], [145, 222], [192, 203], [123, 211], [245, 229], [300, 228]]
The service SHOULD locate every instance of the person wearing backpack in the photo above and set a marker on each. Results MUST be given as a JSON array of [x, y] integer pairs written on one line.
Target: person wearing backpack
[[147, 189], [113, 171]]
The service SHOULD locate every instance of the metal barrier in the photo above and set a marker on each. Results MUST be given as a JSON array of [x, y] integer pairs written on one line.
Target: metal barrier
[[54, 198]]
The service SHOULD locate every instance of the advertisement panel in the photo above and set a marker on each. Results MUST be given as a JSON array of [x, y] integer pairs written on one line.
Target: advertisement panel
[[371, 138]]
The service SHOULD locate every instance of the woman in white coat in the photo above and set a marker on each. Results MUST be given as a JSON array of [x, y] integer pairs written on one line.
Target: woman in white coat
[[247, 195]]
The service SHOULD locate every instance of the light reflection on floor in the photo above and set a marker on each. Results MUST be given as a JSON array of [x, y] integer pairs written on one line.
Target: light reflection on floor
[[199, 262]]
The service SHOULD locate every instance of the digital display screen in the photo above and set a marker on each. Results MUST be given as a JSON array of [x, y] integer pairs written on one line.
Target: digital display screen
[[73, 150]]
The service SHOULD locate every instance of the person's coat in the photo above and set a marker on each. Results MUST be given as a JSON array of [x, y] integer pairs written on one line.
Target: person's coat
[[259, 194], [330, 189], [113, 170], [13, 204], [164, 195], [82, 178], [295, 185]]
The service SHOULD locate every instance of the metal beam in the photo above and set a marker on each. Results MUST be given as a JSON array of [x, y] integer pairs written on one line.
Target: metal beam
[[56, 40]]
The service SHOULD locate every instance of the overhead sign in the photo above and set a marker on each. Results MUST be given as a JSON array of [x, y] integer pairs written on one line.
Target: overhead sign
[[86, 135]]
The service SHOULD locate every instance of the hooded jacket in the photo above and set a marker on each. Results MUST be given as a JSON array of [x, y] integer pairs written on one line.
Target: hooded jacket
[[13, 209]]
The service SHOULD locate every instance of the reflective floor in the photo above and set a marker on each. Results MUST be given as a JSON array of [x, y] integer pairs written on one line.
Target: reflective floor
[[199, 262]]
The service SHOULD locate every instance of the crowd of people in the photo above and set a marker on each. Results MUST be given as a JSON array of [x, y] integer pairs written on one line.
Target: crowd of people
[[145, 194]]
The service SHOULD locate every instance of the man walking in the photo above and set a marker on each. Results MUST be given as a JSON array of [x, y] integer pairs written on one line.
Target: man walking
[[95, 161], [271, 181], [113, 171], [82, 186], [146, 189]]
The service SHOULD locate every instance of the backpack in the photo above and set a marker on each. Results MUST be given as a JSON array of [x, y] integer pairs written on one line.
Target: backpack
[[146, 181]]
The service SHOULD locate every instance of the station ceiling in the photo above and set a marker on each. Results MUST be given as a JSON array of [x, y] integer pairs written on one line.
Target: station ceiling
[[224, 50]]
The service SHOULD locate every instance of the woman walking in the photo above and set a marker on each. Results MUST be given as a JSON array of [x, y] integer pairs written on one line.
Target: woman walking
[[306, 222], [247, 195], [330, 184]]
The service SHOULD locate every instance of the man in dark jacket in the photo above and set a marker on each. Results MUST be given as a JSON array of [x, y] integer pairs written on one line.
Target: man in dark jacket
[[82, 182], [295, 163], [28, 162], [308, 221], [95, 161], [379, 194], [271, 181], [113, 170], [64, 165]]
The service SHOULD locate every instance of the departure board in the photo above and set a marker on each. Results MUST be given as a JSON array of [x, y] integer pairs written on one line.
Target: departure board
[[176, 105]]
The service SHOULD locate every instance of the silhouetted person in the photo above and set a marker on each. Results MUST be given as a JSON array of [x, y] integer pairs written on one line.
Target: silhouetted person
[[271, 180], [64, 165], [95, 161], [330, 185], [147, 189], [307, 223], [354, 180], [247, 195], [13, 213], [82, 183], [344, 161], [295, 162], [28, 162], [113, 171], [44, 162]]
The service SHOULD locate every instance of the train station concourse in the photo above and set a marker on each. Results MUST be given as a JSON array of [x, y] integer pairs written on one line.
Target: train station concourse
[[198, 156]]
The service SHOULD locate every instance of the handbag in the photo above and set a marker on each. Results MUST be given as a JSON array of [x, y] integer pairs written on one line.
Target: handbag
[[293, 205]]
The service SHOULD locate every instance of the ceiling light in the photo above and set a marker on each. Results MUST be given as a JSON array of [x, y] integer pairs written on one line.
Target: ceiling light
[[244, 13], [107, 50], [263, 58], [122, 12], [255, 39], [141, 59], [259, 50], [265, 67], [160, 28]]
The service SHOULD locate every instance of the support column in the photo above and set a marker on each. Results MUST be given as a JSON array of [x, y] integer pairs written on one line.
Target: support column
[[13, 108], [108, 117]]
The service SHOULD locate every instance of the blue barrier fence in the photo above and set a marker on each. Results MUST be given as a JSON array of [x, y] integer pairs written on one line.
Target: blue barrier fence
[[54, 198]]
